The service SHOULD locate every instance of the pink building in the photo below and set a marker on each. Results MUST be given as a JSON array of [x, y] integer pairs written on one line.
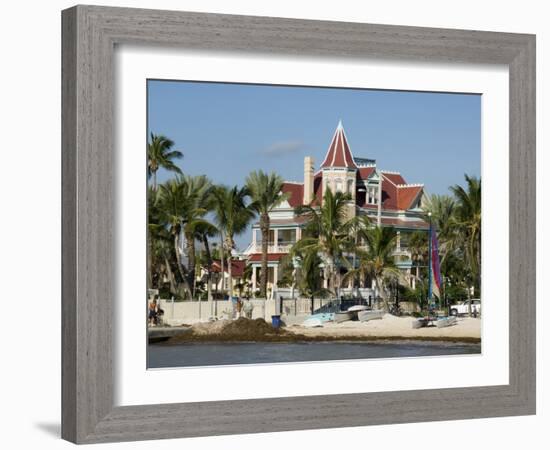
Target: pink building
[[382, 195]]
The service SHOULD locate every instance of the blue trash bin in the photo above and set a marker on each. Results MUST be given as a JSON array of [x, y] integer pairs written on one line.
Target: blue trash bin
[[276, 321]]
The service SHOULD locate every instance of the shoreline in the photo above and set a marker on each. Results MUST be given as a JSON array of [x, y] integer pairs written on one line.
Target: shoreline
[[219, 339], [387, 329]]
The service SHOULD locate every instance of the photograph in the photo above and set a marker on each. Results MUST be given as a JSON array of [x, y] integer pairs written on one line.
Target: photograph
[[293, 223], [258, 225]]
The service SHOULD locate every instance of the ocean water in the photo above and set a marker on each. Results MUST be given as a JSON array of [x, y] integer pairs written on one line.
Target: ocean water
[[209, 354]]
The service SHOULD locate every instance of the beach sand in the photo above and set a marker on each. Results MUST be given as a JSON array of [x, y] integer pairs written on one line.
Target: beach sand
[[466, 330], [394, 327]]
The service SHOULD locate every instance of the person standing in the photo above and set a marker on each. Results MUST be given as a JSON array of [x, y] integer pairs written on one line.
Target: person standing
[[152, 312]]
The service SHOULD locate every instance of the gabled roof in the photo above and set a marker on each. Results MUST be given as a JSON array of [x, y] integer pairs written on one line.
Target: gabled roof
[[365, 172], [393, 177], [296, 191], [339, 154], [406, 195], [397, 195]]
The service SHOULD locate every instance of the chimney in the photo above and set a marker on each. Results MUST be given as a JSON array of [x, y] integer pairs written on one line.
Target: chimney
[[308, 180]]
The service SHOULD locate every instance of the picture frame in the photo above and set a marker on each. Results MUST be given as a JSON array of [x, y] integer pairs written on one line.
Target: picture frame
[[89, 37]]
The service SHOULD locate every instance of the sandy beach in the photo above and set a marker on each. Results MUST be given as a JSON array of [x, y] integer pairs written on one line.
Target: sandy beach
[[389, 326], [466, 330]]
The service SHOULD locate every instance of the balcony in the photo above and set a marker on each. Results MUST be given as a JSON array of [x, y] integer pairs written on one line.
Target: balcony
[[281, 247], [399, 251]]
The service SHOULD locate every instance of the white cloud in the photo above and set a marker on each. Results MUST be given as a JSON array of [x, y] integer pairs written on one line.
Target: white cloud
[[283, 147]]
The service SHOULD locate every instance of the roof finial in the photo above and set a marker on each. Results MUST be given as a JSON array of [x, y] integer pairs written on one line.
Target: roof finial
[[339, 153]]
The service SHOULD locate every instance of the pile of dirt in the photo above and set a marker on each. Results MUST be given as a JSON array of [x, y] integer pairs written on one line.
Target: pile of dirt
[[213, 327], [258, 330], [250, 329], [240, 330]]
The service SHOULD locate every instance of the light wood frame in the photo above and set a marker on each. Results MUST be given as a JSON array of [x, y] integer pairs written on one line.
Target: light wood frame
[[90, 34]]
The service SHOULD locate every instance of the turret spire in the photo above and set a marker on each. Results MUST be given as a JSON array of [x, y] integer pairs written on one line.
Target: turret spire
[[339, 153]]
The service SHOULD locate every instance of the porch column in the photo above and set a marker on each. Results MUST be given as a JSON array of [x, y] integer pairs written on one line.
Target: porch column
[[275, 275], [276, 240], [254, 277]]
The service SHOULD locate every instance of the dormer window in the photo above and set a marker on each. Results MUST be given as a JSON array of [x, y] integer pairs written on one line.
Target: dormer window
[[372, 195]]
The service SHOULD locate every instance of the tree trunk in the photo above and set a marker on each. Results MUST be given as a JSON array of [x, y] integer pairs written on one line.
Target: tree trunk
[[209, 268], [382, 294], [264, 227], [222, 263], [155, 180], [179, 265], [331, 276], [149, 262], [229, 274], [190, 243], [171, 278]]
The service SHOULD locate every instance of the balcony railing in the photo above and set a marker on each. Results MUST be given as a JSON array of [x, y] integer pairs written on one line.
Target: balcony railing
[[281, 247], [398, 251], [285, 246]]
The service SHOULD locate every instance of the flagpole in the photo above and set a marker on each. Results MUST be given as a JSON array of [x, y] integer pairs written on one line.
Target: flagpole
[[430, 262]]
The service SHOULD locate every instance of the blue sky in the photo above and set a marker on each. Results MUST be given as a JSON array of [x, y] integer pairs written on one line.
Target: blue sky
[[227, 130]]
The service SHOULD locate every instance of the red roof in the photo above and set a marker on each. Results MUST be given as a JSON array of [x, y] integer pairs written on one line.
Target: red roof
[[395, 178], [296, 191], [237, 267], [257, 257], [339, 154], [396, 194], [364, 172], [406, 195]]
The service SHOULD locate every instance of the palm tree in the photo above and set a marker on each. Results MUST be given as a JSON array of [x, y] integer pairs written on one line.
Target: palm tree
[[159, 154], [327, 232], [204, 231], [232, 216], [418, 246], [197, 190], [467, 219], [376, 259], [159, 254], [183, 202], [310, 282], [265, 192], [173, 204], [442, 209]]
